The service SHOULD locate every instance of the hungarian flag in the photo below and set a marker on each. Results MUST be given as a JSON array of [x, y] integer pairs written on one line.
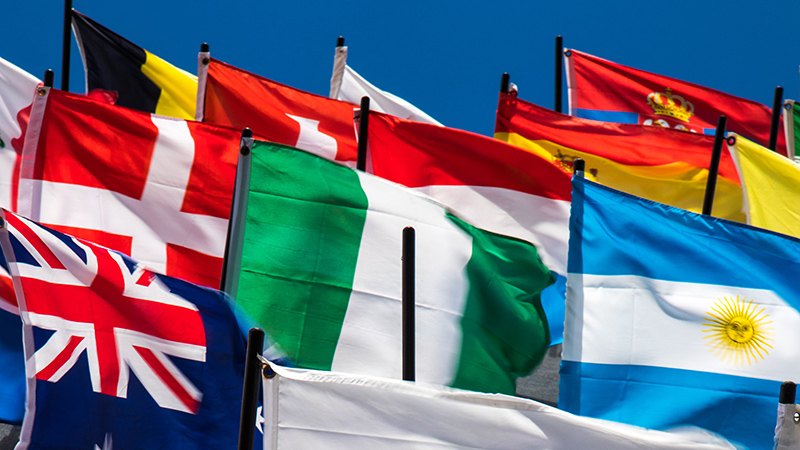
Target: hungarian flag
[[155, 188], [603, 90], [322, 271], [140, 79], [276, 112], [656, 163], [119, 356], [491, 184]]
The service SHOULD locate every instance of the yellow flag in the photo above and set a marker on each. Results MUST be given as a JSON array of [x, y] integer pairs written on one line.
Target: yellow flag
[[771, 186]]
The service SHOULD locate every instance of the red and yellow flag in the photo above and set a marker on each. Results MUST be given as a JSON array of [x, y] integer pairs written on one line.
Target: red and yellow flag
[[659, 164]]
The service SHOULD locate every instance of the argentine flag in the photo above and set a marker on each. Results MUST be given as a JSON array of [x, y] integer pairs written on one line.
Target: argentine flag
[[675, 318]]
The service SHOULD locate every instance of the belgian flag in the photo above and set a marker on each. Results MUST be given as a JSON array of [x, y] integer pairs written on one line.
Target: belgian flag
[[141, 80]]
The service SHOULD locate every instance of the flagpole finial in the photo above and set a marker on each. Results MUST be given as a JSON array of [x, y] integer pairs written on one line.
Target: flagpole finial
[[49, 76], [504, 82], [788, 393], [340, 41], [579, 167], [204, 48]]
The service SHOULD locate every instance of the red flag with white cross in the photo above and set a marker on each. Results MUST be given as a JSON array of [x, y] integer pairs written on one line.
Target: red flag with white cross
[[155, 188]]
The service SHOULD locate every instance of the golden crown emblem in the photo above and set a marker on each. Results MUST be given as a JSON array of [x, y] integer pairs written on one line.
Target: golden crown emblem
[[667, 104]]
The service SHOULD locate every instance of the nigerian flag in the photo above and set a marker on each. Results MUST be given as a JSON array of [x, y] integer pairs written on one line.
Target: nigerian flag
[[321, 273]]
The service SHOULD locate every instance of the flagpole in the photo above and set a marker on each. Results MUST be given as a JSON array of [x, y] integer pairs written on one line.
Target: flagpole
[[559, 71], [504, 82], [363, 129], [66, 45], [777, 101], [713, 169], [234, 242], [788, 393], [49, 77], [409, 302], [252, 372], [340, 41]]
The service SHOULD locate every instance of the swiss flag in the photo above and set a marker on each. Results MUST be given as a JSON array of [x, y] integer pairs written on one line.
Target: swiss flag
[[276, 112], [155, 188]]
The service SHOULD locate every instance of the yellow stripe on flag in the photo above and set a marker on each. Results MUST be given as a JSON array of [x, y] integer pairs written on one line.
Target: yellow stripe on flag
[[771, 184], [178, 88], [677, 184]]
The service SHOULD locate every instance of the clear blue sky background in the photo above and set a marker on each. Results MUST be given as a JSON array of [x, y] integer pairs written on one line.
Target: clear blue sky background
[[446, 57]]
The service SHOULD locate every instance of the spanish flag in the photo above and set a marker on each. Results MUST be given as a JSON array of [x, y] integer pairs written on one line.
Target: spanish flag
[[656, 163], [140, 79]]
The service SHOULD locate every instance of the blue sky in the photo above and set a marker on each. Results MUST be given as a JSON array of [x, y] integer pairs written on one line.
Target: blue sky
[[446, 57]]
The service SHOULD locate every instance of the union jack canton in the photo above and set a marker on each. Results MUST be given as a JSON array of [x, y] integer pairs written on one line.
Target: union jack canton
[[118, 355]]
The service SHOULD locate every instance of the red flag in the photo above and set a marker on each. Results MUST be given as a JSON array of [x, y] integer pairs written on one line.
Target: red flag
[[607, 91], [276, 112], [155, 188]]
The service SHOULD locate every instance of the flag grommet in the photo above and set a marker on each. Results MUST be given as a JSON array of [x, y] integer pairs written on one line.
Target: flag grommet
[[568, 53], [731, 140], [41, 91]]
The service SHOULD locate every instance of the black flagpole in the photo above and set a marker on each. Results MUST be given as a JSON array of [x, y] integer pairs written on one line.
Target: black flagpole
[[713, 169], [363, 133], [65, 49], [408, 303], [559, 71], [777, 101], [252, 379]]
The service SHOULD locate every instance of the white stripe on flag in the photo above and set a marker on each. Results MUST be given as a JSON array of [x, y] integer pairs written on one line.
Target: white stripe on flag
[[372, 326], [640, 321]]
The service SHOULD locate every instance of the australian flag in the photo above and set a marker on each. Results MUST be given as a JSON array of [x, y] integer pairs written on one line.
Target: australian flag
[[119, 356]]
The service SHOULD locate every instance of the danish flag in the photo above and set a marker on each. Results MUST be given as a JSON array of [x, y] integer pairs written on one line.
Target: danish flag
[[101, 303]]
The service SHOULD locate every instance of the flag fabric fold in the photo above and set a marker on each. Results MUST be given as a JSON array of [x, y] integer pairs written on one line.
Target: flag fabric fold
[[140, 79], [677, 318], [155, 188], [321, 272], [348, 85], [663, 165], [603, 90], [791, 123], [117, 354], [314, 409]]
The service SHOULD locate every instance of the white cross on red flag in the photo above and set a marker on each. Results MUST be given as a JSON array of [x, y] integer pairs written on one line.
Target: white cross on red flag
[[155, 188]]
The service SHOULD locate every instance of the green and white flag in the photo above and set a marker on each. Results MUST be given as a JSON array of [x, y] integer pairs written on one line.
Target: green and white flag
[[321, 273], [791, 126]]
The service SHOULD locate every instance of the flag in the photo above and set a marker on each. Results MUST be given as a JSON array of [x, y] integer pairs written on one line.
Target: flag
[[348, 85], [152, 187], [791, 123], [321, 273], [677, 318], [142, 80], [492, 185], [16, 96], [314, 409], [659, 164], [276, 112], [770, 184], [117, 354], [603, 90]]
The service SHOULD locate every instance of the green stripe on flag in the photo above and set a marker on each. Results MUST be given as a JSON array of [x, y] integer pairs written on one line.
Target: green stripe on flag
[[299, 293], [504, 326], [796, 127]]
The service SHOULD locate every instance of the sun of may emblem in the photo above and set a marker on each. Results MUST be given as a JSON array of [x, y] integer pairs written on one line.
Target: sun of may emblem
[[737, 331]]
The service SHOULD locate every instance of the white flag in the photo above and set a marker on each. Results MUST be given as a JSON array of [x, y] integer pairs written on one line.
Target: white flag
[[315, 409], [349, 86]]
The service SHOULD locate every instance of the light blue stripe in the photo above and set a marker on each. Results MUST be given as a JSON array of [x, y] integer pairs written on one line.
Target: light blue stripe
[[740, 409], [554, 305], [667, 243], [609, 116]]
